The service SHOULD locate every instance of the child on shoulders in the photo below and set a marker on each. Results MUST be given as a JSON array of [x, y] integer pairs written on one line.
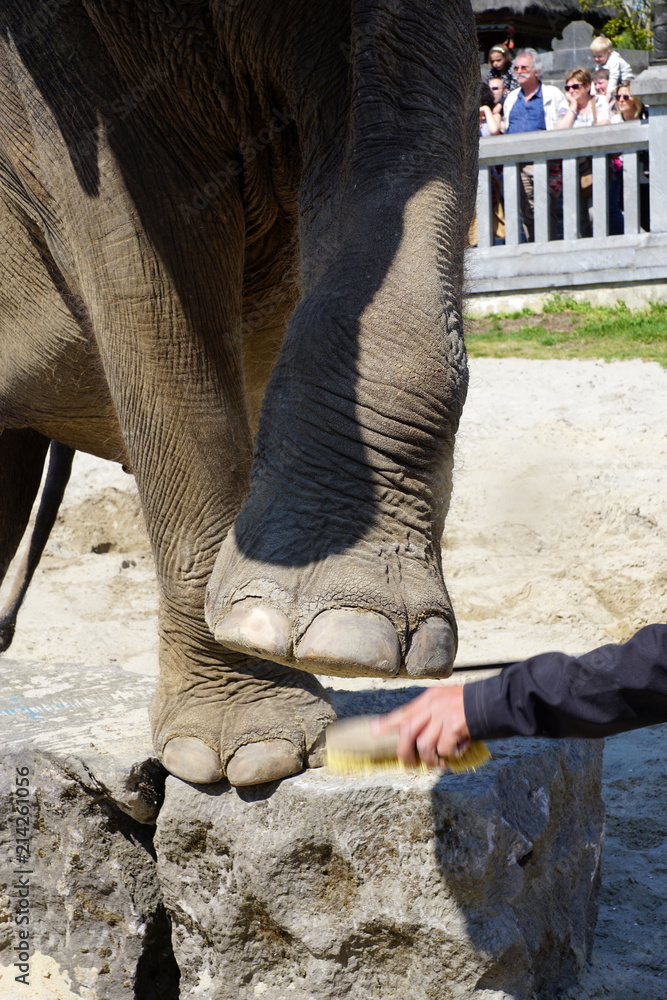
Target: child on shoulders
[[605, 55]]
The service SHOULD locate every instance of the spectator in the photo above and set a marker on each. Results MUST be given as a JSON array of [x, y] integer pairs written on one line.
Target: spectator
[[500, 64], [601, 81], [532, 107], [490, 116], [600, 84], [619, 70], [498, 89], [582, 109], [630, 108], [489, 113]]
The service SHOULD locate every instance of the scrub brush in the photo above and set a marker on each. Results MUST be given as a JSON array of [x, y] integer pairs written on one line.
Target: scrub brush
[[353, 749]]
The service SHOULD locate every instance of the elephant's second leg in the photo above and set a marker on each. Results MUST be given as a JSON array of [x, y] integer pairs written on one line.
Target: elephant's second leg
[[60, 467], [214, 711], [175, 374], [22, 454]]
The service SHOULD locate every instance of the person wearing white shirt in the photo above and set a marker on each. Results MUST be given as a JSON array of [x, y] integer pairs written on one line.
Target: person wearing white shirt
[[581, 109], [534, 106], [620, 71]]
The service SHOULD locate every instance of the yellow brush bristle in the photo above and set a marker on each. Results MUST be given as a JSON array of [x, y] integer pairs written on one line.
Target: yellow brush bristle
[[476, 755], [363, 764]]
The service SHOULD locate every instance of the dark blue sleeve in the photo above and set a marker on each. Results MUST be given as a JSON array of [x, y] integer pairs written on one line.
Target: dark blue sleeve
[[610, 690]]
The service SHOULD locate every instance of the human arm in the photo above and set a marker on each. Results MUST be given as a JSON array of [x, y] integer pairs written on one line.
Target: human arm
[[625, 71], [609, 690], [492, 119], [555, 105], [567, 115]]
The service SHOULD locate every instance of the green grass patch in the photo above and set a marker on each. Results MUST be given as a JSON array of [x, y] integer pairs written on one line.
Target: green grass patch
[[567, 328]]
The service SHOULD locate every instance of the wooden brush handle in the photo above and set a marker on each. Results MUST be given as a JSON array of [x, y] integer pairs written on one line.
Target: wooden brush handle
[[354, 736]]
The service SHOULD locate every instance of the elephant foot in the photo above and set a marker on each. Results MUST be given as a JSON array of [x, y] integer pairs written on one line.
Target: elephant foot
[[363, 613], [252, 722]]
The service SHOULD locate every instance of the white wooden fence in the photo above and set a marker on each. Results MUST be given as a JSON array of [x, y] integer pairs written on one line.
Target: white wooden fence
[[567, 145], [637, 255]]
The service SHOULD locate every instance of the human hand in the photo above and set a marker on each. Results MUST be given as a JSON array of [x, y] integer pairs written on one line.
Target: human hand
[[432, 726]]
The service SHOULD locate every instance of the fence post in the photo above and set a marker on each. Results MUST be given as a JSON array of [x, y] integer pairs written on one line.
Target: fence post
[[484, 209], [651, 86]]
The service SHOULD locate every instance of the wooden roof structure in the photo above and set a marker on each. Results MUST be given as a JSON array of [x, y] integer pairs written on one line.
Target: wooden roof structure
[[526, 22]]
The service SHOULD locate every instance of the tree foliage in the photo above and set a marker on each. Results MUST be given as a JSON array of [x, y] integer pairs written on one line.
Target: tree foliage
[[630, 28]]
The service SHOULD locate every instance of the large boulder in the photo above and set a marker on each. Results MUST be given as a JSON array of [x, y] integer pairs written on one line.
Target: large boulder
[[394, 885], [80, 790]]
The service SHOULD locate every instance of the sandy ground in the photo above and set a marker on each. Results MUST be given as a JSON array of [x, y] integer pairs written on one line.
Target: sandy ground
[[557, 538]]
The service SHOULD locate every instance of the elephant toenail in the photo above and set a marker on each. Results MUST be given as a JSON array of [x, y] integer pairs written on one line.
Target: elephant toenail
[[192, 760], [255, 628], [348, 642], [267, 760], [432, 650]]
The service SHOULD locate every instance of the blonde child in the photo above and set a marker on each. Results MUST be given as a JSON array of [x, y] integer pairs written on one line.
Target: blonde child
[[620, 71]]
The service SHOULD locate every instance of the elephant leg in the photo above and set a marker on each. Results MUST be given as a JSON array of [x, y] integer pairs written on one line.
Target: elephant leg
[[22, 455], [154, 377], [333, 565], [173, 362]]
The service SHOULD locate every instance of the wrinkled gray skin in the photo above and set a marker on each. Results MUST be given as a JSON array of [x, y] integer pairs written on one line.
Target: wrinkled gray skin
[[57, 478], [174, 179]]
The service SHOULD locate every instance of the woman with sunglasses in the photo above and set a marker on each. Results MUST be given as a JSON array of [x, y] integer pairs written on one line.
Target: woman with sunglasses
[[630, 108], [581, 108]]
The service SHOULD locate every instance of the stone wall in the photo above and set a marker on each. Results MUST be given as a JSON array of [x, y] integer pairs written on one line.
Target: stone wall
[[573, 50]]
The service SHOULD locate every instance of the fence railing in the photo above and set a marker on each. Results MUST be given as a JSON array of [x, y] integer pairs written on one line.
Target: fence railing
[[568, 252], [600, 143]]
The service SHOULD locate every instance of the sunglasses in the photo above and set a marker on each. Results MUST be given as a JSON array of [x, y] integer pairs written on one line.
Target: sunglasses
[[573, 86], [523, 67], [623, 97]]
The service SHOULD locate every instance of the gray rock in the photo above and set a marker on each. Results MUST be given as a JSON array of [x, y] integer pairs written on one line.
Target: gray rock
[[81, 737], [397, 885], [95, 720], [316, 887]]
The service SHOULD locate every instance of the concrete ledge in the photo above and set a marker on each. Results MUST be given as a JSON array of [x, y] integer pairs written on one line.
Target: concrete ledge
[[563, 265], [634, 294], [324, 886]]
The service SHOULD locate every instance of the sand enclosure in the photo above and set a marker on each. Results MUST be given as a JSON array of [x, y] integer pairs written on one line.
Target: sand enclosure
[[556, 538]]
